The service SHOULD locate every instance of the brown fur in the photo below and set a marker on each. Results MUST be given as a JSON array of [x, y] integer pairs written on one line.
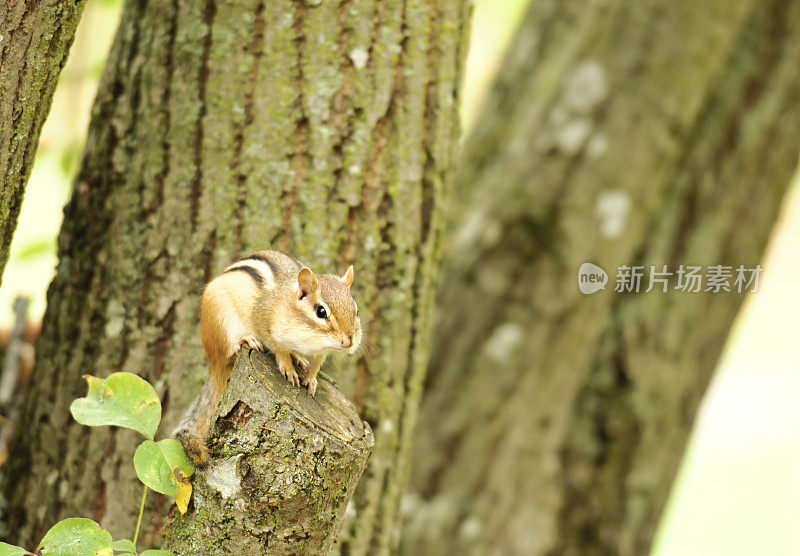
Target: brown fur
[[269, 302]]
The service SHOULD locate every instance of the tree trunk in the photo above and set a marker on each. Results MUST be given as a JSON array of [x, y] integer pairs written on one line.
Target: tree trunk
[[326, 129], [283, 468], [35, 37], [619, 133]]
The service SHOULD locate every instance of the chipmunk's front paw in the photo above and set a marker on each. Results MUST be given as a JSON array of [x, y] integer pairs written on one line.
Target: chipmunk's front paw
[[252, 342], [300, 361], [289, 372], [311, 384]]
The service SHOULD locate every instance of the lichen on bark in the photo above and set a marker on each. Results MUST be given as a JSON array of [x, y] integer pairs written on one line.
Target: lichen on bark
[[618, 133], [283, 468], [35, 38], [222, 128]]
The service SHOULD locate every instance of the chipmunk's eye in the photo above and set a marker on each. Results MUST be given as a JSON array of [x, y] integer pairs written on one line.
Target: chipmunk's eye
[[321, 312]]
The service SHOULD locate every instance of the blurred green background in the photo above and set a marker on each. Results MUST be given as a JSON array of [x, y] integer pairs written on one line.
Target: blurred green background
[[738, 490]]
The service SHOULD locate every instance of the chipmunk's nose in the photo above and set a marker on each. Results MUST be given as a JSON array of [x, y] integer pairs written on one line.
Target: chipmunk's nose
[[347, 342]]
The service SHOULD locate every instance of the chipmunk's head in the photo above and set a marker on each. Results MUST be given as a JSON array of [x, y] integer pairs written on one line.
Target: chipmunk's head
[[327, 313]]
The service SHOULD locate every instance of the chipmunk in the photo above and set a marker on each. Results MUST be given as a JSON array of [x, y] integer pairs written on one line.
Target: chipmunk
[[269, 300]]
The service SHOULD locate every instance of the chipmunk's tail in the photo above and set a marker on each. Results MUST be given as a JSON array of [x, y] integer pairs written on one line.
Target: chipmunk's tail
[[191, 431]]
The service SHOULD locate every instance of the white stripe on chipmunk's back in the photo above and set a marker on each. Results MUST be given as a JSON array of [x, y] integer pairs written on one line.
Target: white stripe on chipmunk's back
[[263, 269]]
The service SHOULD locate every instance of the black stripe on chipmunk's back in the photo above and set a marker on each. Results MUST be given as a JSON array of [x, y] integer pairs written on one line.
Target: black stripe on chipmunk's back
[[269, 262], [254, 274]]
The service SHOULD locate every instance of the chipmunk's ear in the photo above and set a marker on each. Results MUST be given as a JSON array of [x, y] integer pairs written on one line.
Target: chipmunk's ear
[[348, 276], [307, 282]]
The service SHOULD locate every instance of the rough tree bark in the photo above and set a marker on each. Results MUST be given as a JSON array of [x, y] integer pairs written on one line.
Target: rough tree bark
[[283, 468], [35, 38], [327, 129], [618, 133]]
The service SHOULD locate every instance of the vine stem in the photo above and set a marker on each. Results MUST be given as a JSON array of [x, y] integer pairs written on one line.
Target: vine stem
[[141, 512]]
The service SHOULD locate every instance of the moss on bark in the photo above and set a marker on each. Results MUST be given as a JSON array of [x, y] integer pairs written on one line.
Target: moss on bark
[[618, 133], [283, 468], [326, 129], [35, 38]]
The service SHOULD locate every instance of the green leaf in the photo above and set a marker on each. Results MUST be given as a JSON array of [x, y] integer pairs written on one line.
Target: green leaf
[[77, 537], [162, 465], [124, 546], [122, 399], [157, 553], [35, 248], [11, 550]]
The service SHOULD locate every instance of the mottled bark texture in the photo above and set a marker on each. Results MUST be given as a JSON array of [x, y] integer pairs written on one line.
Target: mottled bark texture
[[283, 467], [324, 128], [618, 132], [35, 37]]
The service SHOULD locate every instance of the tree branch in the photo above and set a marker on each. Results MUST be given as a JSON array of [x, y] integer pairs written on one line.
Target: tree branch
[[283, 467], [35, 38]]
